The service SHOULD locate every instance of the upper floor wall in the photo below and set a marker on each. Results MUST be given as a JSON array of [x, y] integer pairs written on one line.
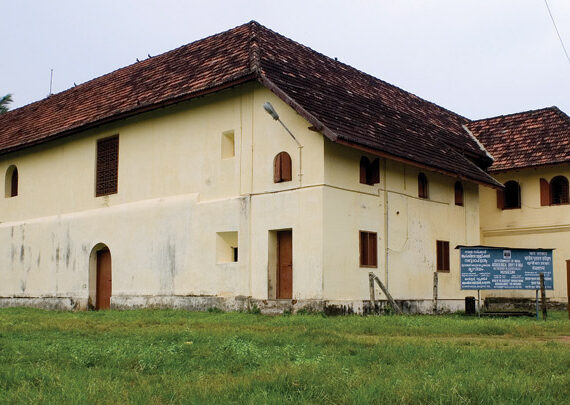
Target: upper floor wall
[[526, 206], [219, 146]]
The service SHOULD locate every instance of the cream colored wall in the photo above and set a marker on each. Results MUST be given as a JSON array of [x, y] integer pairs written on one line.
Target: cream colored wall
[[531, 226], [407, 228], [175, 194]]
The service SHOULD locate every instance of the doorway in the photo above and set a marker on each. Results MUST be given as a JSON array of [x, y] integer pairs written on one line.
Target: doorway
[[285, 264], [100, 278]]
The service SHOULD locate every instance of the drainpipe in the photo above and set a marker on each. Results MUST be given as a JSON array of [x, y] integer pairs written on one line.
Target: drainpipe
[[386, 227]]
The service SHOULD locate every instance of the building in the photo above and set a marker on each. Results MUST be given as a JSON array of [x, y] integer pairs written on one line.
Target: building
[[167, 183], [532, 155]]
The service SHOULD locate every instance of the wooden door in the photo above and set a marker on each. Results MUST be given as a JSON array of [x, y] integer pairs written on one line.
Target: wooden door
[[104, 279], [284, 265]]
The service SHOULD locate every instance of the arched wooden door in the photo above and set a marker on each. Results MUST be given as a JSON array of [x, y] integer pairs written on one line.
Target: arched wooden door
[[104, 279]]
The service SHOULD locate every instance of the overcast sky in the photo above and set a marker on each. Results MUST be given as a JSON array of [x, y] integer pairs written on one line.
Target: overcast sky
[[479, 58]]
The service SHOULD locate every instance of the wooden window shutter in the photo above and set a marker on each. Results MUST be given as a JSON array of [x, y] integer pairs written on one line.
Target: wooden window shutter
[[374, 177], [544, 192], [107, 173], [14, 183], [446, 256], [458, 193], [373, 250], [285, 167], [500, 199], [277, 169], [439, 255], [442, 255], [368, 249], [422, 186], [363, 248], [282, 168], [364, 170]]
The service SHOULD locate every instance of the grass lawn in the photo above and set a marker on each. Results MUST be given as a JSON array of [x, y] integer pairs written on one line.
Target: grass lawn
[[168, 356]]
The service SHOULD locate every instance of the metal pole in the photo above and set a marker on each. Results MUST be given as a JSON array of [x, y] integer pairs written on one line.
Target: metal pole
[[537, 305]]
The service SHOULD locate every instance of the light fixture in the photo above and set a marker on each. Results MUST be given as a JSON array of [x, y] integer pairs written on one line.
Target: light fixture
[[270, 110]]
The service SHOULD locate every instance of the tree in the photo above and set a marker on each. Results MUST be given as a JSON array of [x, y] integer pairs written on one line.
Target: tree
[[4, 101]]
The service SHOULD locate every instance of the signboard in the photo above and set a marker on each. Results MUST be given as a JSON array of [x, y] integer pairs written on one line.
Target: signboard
[[487, 268]]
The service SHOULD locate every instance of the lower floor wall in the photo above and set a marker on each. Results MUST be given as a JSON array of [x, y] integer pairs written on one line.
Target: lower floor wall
[[178, 252]]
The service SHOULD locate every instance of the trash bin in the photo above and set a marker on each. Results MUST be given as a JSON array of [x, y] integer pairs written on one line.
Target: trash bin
[[470, 306]]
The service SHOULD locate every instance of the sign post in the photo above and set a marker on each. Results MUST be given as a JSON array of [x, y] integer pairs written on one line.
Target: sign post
[[496, 268]]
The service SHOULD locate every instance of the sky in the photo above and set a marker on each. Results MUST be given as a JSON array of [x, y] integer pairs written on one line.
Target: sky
[[479, 58]]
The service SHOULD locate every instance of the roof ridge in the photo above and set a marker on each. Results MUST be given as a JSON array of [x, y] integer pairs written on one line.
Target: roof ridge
[[562, 114], [551, 108], [254, 47]]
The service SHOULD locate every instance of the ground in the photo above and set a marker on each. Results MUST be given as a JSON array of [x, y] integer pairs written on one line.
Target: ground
[[168, 356]]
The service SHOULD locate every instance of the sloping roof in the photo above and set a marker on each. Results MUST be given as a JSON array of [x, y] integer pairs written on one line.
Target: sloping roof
[[526, 139], [343, 103]]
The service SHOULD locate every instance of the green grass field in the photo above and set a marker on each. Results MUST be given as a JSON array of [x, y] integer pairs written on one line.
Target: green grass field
[[167, 356]]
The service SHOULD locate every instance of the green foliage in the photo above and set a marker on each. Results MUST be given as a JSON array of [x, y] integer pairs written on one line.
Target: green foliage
[[4, 102], [254, 310], [168, 356]]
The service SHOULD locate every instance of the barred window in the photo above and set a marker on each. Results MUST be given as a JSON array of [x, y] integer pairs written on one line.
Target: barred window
[[106, 179]]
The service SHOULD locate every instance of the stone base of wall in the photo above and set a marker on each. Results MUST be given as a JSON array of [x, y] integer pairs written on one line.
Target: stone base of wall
[[519, 304], [50, 303], [272, 307]]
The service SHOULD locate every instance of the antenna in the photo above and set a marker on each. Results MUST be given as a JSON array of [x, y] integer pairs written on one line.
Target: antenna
[[50, 81]]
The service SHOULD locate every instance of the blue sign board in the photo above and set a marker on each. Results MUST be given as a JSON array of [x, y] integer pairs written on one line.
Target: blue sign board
[[487, 268]]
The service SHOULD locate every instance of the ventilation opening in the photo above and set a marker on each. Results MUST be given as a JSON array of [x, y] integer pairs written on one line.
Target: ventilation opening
[[228, 145], [226, 247], [11, 183]]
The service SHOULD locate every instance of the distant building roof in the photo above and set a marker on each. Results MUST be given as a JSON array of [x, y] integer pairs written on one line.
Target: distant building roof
[[526, 139], [343, 103]]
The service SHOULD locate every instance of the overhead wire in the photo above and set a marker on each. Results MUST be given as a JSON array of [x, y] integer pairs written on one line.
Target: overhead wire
[[557, 32]]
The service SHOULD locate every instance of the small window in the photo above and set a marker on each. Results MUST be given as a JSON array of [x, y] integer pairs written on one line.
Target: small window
[[369, 171], [442, 255], [458, 193], [226, 247], [107, 172], [228, 145], [368, 249], [559, 191], [423, 190], [11, 184], [510, 197], [282, 167]]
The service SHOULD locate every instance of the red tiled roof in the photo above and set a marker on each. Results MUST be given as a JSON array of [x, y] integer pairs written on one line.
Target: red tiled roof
[[343, 103], [526, 139]]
